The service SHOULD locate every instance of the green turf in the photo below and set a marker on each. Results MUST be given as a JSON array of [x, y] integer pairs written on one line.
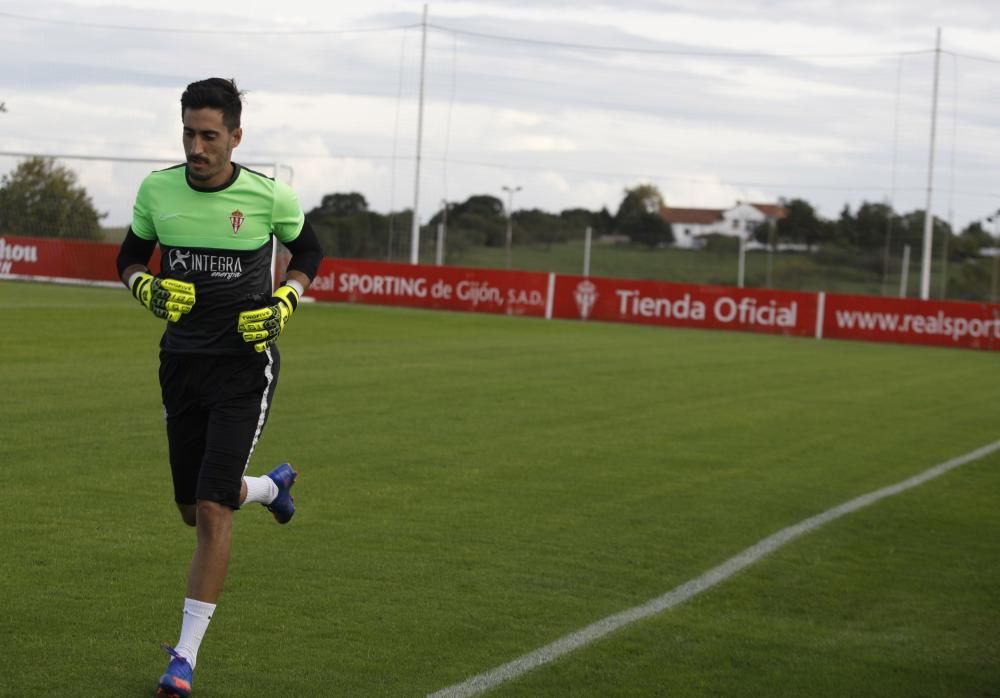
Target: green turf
[[474, 487]]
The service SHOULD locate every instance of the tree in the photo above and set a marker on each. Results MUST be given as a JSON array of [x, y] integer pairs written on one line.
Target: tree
[[42, 198], [801, 224], [346, 228], [479, 220], [912, 224], [973, 238], [872, 223], [639, 216], [339, 204]]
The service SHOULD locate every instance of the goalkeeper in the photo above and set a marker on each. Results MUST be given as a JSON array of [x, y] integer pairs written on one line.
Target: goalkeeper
[[215, 223]]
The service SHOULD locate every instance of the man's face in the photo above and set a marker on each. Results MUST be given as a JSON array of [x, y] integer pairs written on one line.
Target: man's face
[[208, 145]]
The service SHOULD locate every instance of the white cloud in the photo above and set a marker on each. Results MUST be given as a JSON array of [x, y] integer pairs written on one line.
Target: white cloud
[[573, 126]]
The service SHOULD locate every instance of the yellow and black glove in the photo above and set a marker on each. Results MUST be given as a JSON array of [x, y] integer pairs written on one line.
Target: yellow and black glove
[[261, 327], [165, 298]]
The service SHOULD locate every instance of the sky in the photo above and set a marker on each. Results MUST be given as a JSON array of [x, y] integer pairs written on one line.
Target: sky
[[711, 101]]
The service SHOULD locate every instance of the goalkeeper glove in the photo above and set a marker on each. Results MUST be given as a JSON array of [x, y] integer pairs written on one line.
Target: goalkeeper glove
[[166, 298], [261, 327]]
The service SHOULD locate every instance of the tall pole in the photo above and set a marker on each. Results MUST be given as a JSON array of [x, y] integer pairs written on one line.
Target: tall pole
[[442, 229], [741, 265], [904, 273], [510, 211], [925, 267], [415, 229], [996, 256], [771, 244], [890, 201]]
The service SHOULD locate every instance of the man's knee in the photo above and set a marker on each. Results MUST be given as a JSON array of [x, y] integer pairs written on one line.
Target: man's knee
[[189, 513], [213, 517]]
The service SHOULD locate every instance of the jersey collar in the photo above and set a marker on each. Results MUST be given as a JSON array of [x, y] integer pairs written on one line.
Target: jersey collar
[[224, 185]]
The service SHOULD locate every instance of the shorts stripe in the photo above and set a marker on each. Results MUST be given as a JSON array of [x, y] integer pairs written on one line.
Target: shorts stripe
[[265, 404]]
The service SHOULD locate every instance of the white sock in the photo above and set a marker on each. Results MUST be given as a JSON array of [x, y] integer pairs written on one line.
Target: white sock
[[197, 615], [260, 489]]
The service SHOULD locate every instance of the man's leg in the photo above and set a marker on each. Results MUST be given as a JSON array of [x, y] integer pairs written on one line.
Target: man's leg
[[214, 526], [237, 394], [211, 555]]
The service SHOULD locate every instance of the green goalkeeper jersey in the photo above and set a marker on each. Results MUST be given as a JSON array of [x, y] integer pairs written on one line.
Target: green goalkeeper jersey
[[220, 240]]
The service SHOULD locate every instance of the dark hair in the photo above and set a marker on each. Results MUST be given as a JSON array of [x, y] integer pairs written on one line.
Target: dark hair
[[215, 93]]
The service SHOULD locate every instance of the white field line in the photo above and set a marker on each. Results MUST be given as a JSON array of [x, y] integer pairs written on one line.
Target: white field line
[[595, 631]]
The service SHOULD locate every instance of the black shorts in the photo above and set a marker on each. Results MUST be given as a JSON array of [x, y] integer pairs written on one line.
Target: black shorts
[[216, 408]]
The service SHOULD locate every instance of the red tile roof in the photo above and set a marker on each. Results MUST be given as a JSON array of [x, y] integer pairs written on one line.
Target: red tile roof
[[707, 216], [771, 210], [703, 216]]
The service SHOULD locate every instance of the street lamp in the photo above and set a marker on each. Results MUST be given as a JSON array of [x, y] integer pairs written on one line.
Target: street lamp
[[510, 203]]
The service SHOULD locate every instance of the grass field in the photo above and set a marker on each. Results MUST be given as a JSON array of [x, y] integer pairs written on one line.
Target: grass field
[[835, 271], [474, 487]]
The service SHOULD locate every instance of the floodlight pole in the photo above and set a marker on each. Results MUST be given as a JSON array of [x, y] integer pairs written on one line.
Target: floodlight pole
[[588, 234], [510, 211], [925, 267], [415, 227]]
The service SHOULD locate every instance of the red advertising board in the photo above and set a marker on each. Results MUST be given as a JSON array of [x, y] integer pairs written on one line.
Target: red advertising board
[[52, 258], [836, 316], [443, 288], [685, 305], [906, 321]]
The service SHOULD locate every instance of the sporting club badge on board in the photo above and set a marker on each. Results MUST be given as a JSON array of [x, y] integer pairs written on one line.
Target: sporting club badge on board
[[236, 220]]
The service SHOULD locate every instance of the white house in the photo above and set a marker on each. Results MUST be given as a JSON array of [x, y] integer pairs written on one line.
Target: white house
[[690, 225]]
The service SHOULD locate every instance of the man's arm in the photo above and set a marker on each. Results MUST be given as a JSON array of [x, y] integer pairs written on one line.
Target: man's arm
[[306, 256], [261, 327], [134, 255], [165, 298]]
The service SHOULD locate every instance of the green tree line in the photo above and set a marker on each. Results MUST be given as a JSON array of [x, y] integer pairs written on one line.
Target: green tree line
[[42, 198]]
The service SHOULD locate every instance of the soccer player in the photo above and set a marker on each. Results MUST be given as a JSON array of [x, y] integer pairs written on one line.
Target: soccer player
[[215, 222]]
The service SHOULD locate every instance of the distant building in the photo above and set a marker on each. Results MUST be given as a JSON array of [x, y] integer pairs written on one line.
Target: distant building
[[691, 225]]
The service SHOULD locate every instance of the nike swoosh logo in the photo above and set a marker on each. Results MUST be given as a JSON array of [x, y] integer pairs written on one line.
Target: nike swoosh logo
[[168, 216]]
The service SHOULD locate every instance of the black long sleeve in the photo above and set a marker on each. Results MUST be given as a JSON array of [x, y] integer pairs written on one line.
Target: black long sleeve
[[306, 251], [134, 250]]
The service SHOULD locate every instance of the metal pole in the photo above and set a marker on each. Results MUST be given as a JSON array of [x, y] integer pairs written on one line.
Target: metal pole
[[771, 244], [944, 259], [510, 211], [442, 229], [586, 251], [904, 272], [996, 272], [741, 266], [925, 268], [415, 228], [885, 253], [890, 202], [996, 256]]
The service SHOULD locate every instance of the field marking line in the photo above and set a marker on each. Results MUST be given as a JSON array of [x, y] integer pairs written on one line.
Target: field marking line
[[595, 631]]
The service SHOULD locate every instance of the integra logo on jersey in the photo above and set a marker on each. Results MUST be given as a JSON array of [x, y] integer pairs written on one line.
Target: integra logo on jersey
[[179, 260], [218, 265], [236, 220]]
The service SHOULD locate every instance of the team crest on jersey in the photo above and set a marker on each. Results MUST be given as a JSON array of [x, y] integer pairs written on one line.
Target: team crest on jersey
[[236, 220]]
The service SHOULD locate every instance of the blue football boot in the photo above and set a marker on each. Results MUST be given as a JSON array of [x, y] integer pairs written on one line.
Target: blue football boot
[[283, 506], [176, 682]]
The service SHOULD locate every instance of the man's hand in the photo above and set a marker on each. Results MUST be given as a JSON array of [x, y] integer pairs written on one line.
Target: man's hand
[[166, 298], [261, 327]]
